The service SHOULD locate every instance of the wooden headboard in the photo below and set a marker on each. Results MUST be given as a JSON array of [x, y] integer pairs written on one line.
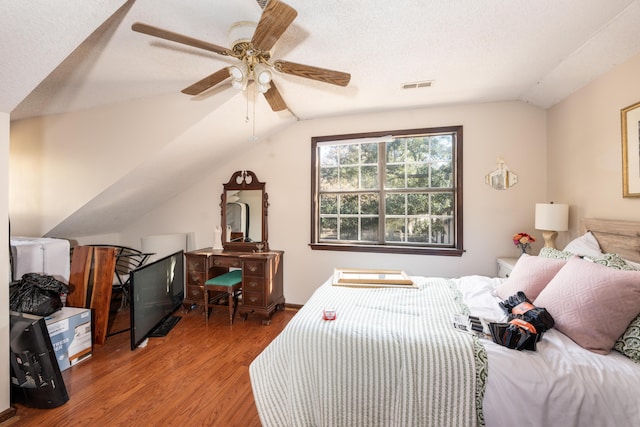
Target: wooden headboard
[[621, 237]]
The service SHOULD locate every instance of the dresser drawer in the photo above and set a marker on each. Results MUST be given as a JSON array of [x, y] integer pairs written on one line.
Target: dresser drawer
[[252, 298], [195, 293], [195, 278], [254, 268], [252, 284], [196, 263], [227, 262]]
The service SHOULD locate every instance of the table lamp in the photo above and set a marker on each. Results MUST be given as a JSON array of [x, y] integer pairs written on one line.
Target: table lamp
[[551, 218]]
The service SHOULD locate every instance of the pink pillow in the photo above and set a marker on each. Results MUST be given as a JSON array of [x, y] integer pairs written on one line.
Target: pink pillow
[[592, 304], [530, 275]]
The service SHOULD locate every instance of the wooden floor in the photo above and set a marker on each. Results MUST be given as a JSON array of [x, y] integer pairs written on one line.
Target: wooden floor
[[197, 375]]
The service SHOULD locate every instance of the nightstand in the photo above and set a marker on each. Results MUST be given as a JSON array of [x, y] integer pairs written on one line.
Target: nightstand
[[505, 265]]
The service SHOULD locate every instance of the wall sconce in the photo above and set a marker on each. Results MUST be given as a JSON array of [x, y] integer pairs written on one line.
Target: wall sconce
[[551, 218], [501, 178]]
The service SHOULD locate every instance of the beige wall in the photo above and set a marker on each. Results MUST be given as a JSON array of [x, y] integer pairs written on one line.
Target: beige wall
[[584, 148], [512, 130], [570, 153], [4, 264]]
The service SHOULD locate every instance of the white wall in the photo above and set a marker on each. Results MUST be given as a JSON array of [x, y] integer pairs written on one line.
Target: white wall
[[585, 148], [512, 130], [4, 264]]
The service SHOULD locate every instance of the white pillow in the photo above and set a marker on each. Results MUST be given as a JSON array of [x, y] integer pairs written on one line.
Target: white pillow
[[584, 245]]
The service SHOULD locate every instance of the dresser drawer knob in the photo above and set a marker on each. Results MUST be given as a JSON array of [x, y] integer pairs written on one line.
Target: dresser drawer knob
[[253, 268], [253, 284], [253, 299]]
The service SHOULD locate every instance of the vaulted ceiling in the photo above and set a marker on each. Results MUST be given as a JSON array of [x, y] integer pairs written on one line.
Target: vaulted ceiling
[[67, 55]]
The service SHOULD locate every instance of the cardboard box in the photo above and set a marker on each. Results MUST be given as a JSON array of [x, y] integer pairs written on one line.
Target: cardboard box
[[70, 332]]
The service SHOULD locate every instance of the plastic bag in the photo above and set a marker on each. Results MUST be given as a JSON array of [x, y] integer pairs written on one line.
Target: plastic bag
[[37, 294]]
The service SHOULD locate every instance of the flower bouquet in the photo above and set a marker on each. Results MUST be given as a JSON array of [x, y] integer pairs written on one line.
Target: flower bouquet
[[523, 241]]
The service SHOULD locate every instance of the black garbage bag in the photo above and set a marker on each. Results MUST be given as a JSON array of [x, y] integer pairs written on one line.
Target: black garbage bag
[[37, 294]]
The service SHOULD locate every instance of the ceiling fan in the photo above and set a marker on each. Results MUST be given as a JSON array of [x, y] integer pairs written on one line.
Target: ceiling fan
[[254, 55]]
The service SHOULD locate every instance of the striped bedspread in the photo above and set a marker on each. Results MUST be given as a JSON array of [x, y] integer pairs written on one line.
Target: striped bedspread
[[391, 358]]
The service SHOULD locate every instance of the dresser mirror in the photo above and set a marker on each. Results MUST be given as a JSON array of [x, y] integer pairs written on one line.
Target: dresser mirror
[[244, 213]]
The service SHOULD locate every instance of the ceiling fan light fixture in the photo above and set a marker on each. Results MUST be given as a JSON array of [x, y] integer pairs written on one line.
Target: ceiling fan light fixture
[[238, 71], [239, 84], [262, 88], [262, 74]]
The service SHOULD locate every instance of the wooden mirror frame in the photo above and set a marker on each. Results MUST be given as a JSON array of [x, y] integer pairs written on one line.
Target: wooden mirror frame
[[244, 180]]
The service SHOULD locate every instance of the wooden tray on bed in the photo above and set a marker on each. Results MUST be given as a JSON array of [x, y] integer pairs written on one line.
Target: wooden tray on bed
[[364, 278]]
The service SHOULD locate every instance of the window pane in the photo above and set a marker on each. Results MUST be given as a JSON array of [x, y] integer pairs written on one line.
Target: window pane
[[442, 204], [369, 153], [395, 176], [369, 229], [441, 147], [418, 149], [349, 154], [369, 177], [395, 230], [329, 228], [418, 204], [395, 204], [349, 204], [441, 175], [328, 155], [328, 204], [349, 178], [395, 151], [348, 228], [369, 204], [442, 231], [329, 179], [418, 230], [417, 176]]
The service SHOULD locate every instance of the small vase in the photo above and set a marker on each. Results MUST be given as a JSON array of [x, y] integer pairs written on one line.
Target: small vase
[[524, 249]]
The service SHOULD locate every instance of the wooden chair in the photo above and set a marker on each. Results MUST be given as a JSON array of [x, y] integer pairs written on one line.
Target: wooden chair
[[225, 285]]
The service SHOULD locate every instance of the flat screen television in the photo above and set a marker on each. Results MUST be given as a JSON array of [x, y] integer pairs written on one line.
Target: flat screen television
[[35, 374], [157, 291]]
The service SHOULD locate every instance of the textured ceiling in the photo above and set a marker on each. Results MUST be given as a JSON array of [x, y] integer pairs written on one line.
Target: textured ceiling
[[71, 55], [537, 51]]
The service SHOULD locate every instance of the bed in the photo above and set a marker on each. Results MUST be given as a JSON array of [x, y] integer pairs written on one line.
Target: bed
[[393, 358]]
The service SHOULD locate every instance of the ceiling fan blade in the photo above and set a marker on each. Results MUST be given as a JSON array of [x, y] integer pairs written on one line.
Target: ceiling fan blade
[[208, 82], [315, 73], [275, 19], [274, 98], [179, 38]]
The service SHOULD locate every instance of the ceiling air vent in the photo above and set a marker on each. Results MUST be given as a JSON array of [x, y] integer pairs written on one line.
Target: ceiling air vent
[[416, 85]]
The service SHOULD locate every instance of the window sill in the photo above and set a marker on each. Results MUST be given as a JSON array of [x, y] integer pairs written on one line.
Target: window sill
[[387, 249]]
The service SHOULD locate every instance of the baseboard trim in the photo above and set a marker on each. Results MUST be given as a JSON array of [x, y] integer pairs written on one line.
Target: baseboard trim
[[7, 414]]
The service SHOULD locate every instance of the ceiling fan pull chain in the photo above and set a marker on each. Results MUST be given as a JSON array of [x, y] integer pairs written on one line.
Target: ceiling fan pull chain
[[246, 117], [253, 89]]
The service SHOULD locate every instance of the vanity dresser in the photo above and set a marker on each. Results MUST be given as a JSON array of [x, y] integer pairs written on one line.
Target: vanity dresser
[[262, 292], [245, 246]]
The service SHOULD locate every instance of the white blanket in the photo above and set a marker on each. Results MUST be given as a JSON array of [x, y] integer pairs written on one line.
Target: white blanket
[[391, 358]]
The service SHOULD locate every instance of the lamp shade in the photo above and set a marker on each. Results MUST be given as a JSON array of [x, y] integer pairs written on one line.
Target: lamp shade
[[552, 216]]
